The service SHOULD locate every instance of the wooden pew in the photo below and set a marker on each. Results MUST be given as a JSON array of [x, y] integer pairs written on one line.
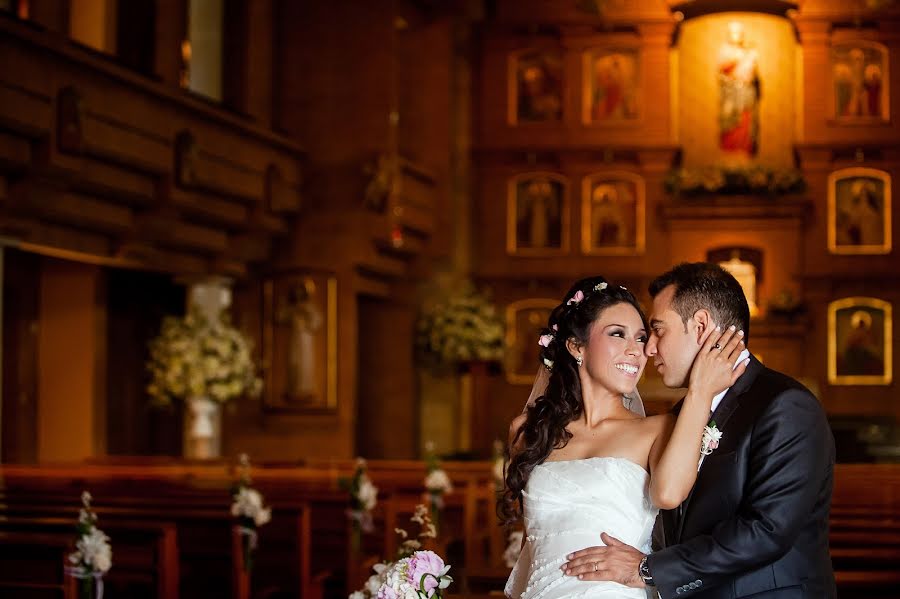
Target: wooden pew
[[145, 553], [864, 530], [32, 564], [204, 525], [486, 541]]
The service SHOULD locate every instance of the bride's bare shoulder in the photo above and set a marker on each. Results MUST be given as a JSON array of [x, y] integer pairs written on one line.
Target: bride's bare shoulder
[[658, 422]]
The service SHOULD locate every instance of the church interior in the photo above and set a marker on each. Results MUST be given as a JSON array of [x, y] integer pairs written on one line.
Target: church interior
[[278, 250]]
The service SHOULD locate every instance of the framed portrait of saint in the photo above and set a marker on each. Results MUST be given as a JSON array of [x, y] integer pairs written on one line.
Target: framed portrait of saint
[[860, 82], [537, 214], [612, 214], [860, 341], [611, 86], [300, 342], [524, 321], [859, 211], [535, 87]]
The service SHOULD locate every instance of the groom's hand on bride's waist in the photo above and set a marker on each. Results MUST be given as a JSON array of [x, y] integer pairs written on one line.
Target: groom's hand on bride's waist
[[616, 561]]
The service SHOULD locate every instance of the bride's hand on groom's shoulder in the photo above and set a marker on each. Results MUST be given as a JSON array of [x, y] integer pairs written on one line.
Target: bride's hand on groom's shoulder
[[616, 561], [714, 370]]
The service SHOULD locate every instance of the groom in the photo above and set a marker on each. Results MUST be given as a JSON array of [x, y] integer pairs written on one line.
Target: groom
[[756, 522]]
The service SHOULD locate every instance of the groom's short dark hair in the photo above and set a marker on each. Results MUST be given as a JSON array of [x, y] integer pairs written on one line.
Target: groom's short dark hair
[[700, 285]]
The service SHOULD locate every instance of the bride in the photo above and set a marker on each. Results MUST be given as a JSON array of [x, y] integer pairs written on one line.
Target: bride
[[583, 458]]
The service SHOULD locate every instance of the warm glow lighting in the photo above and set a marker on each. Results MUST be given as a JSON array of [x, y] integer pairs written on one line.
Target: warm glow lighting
[[396, 237], [185, 77]]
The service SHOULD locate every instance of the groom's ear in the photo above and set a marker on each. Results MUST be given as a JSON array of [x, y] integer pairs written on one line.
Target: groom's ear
[[701, 322]]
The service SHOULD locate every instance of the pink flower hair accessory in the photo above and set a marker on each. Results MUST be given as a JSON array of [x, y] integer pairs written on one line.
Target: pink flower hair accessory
[[576, 299], [547, 338]]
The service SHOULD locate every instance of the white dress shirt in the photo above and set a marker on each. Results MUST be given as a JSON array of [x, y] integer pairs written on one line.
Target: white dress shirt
[[718, 398]]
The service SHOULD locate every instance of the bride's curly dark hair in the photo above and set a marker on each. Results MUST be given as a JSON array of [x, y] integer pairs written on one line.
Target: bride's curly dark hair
[[545, 424]]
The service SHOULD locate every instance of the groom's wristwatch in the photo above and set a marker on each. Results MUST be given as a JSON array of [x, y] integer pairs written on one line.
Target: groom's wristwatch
[[644, 572]]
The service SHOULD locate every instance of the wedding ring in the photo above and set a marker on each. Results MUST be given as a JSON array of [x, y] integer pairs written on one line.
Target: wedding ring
[[717, 346]]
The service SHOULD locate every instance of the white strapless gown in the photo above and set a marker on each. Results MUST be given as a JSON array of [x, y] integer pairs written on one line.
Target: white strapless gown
[[567, 505]]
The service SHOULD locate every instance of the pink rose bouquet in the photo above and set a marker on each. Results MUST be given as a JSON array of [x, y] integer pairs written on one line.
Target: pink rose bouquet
[[422, 575]]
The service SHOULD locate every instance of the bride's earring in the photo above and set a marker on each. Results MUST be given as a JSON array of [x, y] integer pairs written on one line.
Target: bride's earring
[[579, 360]]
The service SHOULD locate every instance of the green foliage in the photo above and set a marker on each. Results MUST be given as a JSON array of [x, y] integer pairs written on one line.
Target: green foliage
[[719, 180]]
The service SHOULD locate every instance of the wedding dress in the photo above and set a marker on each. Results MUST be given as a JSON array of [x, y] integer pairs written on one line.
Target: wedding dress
[[567, 505]]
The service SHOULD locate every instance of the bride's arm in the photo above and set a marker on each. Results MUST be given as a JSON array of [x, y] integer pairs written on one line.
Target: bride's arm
[[675, 452], [515, 445]]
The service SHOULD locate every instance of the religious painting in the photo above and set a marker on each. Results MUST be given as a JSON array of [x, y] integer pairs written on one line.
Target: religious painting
[[537, 215], [536, 87], [300, 342], [859, 211], [739, 94], [611, 86], [859, 342], [524, 321], [612, 214], [859, 72]]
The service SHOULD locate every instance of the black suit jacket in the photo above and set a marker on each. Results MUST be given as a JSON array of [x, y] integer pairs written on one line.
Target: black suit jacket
[[756, 521]]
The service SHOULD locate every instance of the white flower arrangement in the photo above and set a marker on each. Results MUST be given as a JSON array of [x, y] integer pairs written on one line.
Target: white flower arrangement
[[464, 326], [438, 482], [363, 499], [363, 494], [193, 357], [416, 573], [92, 557], [248, 507]]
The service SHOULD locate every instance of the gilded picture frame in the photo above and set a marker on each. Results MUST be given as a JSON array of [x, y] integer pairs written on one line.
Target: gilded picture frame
[[535, 90], [613, 214], [859, 211], [611, 86], [524, 320], [537, 214], [860, 341], [300, 342], [859, 73]]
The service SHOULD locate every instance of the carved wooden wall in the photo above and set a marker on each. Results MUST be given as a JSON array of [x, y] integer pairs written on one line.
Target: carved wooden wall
[[561, 142]]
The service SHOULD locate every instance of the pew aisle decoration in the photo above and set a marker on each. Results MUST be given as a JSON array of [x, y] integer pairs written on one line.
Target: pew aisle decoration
[[92, 557], [249, 510], [461, 327], [437, 483], [363, 498], [206, 362], [417, 571]]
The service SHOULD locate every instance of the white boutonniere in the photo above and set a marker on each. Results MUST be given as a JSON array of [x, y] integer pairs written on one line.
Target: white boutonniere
[[710, 441], [711, 437]]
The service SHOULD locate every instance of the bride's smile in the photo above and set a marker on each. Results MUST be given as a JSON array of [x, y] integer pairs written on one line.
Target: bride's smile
[[614, 356]]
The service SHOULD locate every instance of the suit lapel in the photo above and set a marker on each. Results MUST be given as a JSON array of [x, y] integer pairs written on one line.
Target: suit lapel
[[721, 416]]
